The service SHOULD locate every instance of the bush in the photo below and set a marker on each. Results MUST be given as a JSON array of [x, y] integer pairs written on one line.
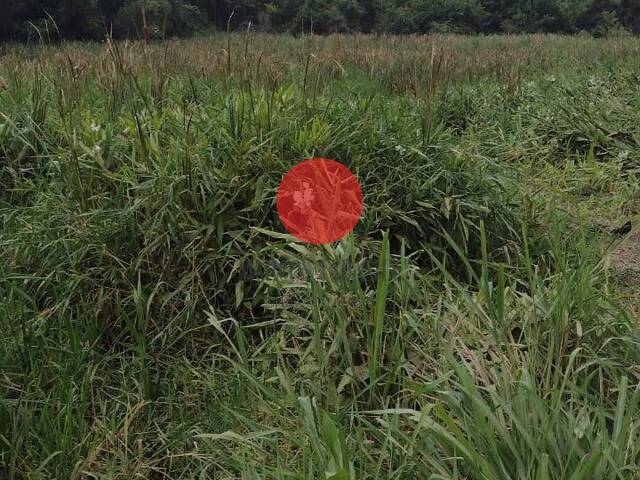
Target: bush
[[164, 18]]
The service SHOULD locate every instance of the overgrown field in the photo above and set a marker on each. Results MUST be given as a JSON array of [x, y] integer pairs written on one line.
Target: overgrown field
[[481, 322]]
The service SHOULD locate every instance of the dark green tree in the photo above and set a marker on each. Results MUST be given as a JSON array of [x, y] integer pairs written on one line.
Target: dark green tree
[[95, 18]]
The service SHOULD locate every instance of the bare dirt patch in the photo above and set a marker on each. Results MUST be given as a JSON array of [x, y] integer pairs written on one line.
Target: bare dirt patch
[[625, 259]]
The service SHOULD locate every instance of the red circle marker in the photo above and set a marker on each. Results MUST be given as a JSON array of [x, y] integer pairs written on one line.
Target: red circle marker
[[319, 201]]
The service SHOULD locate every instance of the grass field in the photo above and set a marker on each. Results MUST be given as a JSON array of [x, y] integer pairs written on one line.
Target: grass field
[[481, 322]]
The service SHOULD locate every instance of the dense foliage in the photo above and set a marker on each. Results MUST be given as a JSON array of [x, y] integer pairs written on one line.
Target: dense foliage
[[481, 322], [156, 18]]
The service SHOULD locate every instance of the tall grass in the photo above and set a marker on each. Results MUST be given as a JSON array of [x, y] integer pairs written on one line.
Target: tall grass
[[158, 322]]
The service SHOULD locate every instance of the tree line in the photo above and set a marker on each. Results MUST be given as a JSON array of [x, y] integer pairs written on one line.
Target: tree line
[[93, 19]]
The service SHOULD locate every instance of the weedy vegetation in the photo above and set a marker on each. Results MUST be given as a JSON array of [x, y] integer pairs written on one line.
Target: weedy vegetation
[[480, 322]]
